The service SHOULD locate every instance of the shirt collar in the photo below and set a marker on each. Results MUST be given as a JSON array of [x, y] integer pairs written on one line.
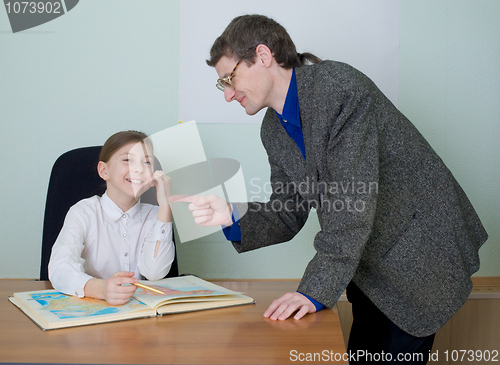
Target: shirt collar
[[114, 212], [291, 110]]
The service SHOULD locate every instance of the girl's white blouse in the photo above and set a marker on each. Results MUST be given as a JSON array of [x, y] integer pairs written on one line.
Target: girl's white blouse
[[98, 239]]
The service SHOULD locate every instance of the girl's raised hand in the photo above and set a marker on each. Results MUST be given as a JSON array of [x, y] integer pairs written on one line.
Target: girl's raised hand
[[163, 185]]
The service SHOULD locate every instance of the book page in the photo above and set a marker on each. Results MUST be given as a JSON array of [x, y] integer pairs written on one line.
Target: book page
[[184, 287], [61, 310]]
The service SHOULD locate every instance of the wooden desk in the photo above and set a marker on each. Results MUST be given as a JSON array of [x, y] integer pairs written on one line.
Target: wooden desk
[[236, 335]]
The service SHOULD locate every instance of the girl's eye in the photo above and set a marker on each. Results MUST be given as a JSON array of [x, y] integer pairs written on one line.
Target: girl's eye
[[147, 163]]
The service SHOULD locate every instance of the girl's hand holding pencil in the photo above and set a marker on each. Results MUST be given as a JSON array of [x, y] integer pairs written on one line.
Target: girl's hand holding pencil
[[113, 289], [116, 292]]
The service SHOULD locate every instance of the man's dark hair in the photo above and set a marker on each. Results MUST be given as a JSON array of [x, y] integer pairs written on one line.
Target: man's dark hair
[[246, 32]]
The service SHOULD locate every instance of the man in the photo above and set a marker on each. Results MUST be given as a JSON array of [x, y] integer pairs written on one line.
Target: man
[[396, 228]]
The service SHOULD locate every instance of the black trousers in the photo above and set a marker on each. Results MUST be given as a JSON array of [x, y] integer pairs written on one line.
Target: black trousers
[[379, 341]]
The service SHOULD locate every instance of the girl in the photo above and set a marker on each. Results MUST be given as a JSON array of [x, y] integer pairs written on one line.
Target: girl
[[113, 240]]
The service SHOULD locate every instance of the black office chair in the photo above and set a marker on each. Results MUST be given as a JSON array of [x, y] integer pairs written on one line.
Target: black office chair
[[74, 177]]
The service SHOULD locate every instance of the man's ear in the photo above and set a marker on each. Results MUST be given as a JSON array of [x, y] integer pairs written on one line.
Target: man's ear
[[264, 55], [102, 170]]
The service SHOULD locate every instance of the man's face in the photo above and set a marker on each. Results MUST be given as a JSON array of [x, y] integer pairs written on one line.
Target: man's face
[[251, 85]]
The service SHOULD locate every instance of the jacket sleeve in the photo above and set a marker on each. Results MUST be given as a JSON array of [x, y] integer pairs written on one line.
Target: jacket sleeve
[[276, 221]]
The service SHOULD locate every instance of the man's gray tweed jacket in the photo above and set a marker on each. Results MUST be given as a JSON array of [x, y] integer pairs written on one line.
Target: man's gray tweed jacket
[[393, 218]]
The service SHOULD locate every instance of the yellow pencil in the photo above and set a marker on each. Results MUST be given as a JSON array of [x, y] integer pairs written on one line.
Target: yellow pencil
[[149, 288]]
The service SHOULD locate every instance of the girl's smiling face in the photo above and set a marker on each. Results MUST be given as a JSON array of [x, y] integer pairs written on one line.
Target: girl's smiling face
[[128, 173]]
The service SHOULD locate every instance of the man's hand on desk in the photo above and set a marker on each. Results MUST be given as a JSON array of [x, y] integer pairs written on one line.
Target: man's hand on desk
[[284, 307], [207, 210]]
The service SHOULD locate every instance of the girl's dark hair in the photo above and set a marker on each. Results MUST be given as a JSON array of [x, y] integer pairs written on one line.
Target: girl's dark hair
[[120, 139], [246, 32]]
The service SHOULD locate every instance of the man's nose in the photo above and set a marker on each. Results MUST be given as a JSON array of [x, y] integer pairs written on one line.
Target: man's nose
[[229, 94]]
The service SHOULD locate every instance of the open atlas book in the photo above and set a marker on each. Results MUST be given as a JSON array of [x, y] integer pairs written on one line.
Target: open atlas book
[[50, 309]]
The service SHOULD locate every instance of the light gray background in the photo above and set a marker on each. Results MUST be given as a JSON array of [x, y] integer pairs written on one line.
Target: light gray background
[[362, 33]]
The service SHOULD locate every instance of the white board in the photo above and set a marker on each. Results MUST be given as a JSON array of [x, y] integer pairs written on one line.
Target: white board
[[362, 33]]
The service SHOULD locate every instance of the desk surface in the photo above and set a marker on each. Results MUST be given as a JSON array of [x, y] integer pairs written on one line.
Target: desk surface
[[235, 335]]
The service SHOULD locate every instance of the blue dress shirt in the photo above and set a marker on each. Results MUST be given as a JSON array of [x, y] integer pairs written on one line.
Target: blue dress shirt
[[290, 119]]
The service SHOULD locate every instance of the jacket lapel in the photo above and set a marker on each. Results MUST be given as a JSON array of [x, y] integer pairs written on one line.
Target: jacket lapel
[[305, 90]]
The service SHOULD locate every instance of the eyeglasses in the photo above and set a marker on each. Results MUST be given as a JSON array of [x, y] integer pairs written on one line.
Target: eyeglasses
[[223, 82]]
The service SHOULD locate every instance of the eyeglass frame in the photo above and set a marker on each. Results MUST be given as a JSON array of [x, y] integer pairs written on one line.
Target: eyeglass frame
[[228, 79]]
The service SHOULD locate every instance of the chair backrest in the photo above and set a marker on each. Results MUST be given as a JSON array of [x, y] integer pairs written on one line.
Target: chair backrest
[[74, 177]]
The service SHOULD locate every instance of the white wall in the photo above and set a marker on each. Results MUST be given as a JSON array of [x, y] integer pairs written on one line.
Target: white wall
[[332, 33]]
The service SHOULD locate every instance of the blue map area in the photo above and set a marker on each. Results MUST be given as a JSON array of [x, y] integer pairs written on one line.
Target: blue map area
[[68, 307]]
